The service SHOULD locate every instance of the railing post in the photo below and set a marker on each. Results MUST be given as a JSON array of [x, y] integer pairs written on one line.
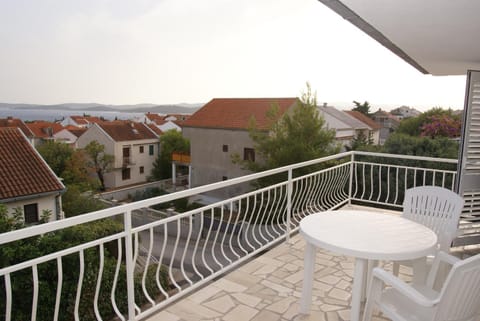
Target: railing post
[[350, 184], [289, 203], [129, 265]]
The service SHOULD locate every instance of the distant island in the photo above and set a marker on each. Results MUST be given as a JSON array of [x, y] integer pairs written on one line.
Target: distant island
[[94, 107]]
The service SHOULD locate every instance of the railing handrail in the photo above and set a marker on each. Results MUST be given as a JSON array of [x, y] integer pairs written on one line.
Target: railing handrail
[[118, 210]]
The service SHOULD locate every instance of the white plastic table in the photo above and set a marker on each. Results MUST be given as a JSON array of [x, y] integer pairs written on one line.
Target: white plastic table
[[365, 236]]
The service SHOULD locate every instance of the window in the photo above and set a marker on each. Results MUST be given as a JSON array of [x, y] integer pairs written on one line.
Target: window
[[249, 154], [141, 149], [225, 148], [150, 149], [142, 169], [30, 211], [125, 174], [224, 178]]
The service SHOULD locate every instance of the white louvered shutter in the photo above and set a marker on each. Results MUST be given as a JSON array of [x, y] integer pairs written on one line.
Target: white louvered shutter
[[468, 177]]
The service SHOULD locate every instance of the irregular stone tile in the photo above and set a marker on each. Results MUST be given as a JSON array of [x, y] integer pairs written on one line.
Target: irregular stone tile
[[286, 258], [330, 279], [229, 286], [204, 293], [292, 311], [252, 266], [312, 316], [241, 312], [281, 274], [333, 301], [190, 311], [321, 286], [282, 305], [344, 285], [266, 269], [344, 314], [269, 261], [222, 304], [164, 316], [329, 307], [265, 315], [276, 287], [295, 277], [246, 279], [250, 300], [332, 316], [290, 267]]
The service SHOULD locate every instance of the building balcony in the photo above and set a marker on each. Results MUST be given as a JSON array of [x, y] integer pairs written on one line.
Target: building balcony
[[237, 259]]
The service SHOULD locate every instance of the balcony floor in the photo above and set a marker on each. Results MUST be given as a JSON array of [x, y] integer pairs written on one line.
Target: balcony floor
[[268, 288]]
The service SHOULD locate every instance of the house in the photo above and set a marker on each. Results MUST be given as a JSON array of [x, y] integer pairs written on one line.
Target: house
[[387, 122], [166, 122], [219, 130], [26, 180], [43, 130], [405, 112], [69, 135], [134, 146], [81, 121], [374, 129], [18, 123], [346, 127]]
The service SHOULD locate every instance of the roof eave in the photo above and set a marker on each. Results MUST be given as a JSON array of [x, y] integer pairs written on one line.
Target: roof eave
[[349, 15]]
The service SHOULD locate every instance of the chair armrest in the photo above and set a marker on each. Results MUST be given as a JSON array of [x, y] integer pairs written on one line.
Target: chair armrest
[[447, 258], [402, 287], [441, 257]]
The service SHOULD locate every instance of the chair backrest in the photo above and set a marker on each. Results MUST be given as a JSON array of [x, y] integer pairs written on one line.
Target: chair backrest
[[460, 294], [437, 208]]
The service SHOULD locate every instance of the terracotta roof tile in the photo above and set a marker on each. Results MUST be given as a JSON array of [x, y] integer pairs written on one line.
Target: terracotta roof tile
[[44, 129], [22, 170], [235, 113], [155, 129], [15, 122], [364, 118], [85, 120], [126, 130]]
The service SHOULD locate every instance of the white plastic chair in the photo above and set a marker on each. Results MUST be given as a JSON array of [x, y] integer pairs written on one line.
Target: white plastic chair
[[438, 209], [457, 300]]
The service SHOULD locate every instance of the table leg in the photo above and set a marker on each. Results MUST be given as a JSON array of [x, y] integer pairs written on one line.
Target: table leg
[[358, 286], [419, 271], [309, 267]]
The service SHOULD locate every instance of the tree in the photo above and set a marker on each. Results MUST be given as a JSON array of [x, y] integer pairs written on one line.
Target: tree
[[414, 126], [99, 161], [362, 108], [56, 155], [171, 141], [77, 173], [292, 137], [421, 146], [359, 142], [441, 126]]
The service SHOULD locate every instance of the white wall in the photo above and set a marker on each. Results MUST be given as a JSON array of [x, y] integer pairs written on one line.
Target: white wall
[[43, 203]]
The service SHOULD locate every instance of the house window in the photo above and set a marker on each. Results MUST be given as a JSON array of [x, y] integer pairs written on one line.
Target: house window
[[142, 169], [225, 148], [150, 149], [224, 178], [30, 211], [125, 174], [249, 154], [141, 149]]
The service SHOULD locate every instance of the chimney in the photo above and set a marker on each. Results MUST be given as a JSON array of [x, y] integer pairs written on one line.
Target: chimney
[[324, 104]]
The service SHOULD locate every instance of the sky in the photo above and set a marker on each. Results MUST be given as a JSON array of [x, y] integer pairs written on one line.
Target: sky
[[190, 51]]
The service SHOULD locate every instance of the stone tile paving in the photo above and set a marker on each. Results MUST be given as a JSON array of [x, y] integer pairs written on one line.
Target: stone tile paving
[[268, 288]]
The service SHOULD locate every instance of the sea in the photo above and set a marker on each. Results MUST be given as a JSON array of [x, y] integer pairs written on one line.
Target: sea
[[58, 115]]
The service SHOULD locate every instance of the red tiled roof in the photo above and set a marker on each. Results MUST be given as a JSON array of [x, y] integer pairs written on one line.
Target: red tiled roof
[[15, 122], [22, 170], [155, 129], [77, 131], [126, 130], [364, 119], [41, 129], [85, 120], [235, 113]]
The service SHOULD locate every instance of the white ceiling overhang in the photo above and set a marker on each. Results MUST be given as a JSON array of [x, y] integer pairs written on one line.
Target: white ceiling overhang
[[438, 37]]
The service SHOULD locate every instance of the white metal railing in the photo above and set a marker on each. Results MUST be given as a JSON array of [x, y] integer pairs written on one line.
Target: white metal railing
[[150, 263]]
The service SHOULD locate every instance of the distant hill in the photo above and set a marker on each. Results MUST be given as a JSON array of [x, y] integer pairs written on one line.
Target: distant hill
[[85, 107]]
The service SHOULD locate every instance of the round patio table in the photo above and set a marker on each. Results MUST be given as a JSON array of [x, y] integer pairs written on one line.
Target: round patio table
[[365, 236]]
